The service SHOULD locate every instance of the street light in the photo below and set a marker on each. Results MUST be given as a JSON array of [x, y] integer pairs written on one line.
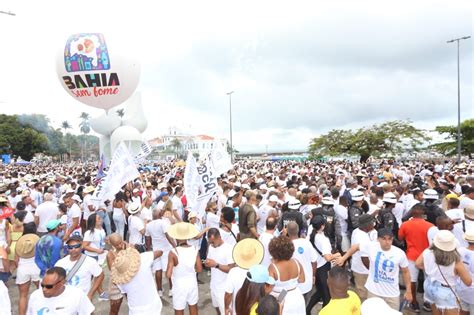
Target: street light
[[8, 13], [459, 97], [230, 124]]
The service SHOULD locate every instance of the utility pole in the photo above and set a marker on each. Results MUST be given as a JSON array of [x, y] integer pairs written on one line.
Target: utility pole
[[459, 98], [230, 125]]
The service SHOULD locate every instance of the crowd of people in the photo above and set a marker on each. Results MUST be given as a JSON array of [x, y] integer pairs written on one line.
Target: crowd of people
[[276, 238]]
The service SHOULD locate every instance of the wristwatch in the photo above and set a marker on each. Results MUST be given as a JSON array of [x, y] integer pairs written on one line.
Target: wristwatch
[[217, 266]]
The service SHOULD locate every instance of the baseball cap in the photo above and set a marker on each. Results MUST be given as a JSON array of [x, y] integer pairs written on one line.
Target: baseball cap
[[52, 224], [74, 237], [259, 274]]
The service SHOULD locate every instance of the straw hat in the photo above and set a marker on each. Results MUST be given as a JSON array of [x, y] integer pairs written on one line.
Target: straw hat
[[125, 266], [182, 231], [89, 189], [469, 236], [25, 246], [445, 240], [247, 253], [134, 207], [469, 212]]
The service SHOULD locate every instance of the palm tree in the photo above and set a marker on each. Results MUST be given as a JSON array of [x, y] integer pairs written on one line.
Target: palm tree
[[65, 126], [120, 113], [85, 129], [177, 145]]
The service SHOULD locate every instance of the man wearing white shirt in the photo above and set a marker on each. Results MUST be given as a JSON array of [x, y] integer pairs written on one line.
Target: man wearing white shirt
[[307, 256], [54, 297], [88, 270], [178, 209], [265, 211], [219, 259], [265, 239], [46, 212], [467, 199]]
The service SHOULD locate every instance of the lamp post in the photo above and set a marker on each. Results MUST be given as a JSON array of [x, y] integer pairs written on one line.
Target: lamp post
[[459, 98], [230, 124]]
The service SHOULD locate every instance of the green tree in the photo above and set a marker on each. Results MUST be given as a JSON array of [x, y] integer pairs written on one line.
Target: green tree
[[389, 138], [65, 126], [449, 147], [176, 144], [20, 140], [85, 128]]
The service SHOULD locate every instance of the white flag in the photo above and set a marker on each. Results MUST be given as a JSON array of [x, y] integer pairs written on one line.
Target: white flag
[[220, 160], [191, 180], [122, 170], [145, 150]]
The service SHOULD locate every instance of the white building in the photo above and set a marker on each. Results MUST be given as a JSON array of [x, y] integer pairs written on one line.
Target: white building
[[198, 144]]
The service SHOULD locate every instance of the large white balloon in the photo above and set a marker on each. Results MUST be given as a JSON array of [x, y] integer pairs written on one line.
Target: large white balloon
[[134, 114], [130, 136], [105, 124], [98, 71]]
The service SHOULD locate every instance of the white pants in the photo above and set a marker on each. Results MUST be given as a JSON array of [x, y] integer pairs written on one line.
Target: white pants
[[217, 296], [119, 225]]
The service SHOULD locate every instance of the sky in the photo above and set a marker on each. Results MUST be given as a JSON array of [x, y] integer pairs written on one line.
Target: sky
[[297, 68]]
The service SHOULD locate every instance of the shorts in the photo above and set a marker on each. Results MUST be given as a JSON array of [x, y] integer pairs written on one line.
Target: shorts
[[441, 296], [27, 272], [161, 263], [414, 271], [114, 292], [185, 292], [467, 307], [217, 296]]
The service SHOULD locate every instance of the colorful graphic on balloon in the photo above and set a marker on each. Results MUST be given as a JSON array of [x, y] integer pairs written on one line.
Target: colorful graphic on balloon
[[85, 52], [97, 73]]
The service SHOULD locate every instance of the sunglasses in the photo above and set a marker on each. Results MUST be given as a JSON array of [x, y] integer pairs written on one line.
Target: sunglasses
[[49, 286], [74, 246]]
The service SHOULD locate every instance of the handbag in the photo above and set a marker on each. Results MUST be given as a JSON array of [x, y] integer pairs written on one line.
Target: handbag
[[449, 286]]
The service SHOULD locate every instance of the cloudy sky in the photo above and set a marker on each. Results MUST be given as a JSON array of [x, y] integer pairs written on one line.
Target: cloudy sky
[[298, 68]]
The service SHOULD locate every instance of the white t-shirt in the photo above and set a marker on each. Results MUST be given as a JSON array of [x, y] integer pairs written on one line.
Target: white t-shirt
[[96, 239], [146, 214], [341, 214], [71, 302], [262, 214], [227, 237], [29, 218], [74, 212], [235, 280], [323, 244], [306, 255], [384, 269], [465, 201], [458, 214], [141, 290], [178, 205], [85, 206], [265, 239], [156, 230], [46, 212], [83, 277], [135, 225], [212, 220], [359, 237], [223, 256]]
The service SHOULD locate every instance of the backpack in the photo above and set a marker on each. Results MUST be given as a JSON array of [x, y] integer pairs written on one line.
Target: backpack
[[353, 214]]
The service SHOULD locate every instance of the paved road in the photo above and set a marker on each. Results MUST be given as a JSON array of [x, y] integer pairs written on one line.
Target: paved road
[[204, 304]]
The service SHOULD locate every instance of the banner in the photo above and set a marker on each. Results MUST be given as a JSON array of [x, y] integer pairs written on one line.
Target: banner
[[191, 180], [145, 150], [122, 170], [220, 159]]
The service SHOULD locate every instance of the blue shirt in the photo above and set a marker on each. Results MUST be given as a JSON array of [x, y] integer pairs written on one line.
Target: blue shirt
[[47, 252]]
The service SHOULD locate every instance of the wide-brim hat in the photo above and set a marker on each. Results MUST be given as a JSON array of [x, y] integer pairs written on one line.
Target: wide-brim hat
[[89, 189], [25, 246], [125, 266], [134, 207], [445, 240], [469, 212], [182, 231], [248, 252], [469, 236]]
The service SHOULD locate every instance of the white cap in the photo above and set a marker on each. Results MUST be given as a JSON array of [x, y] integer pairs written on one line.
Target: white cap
[[303, 186], [390, 198], [263, 187], [327, 201], [231, 193], [237, 184], [430, 194], [70, 191], [294, 204], [357, 195], [77, 198], [245, 186], [273, 198]]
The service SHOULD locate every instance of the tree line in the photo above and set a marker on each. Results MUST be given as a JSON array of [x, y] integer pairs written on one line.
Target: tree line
[[390, 139], [25, 135]]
